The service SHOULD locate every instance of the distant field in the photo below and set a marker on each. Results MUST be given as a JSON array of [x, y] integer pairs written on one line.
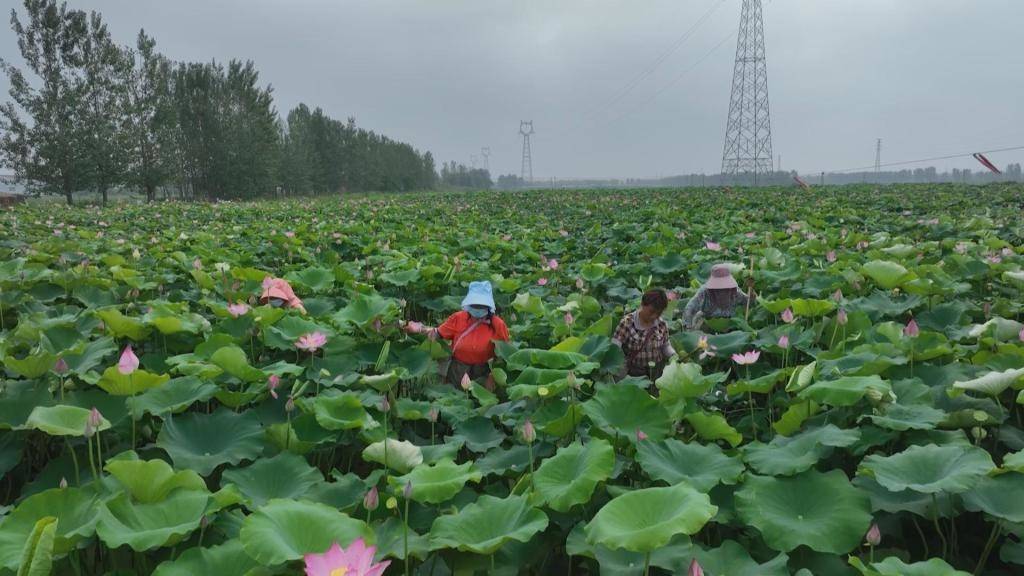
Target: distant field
[[894, 398]]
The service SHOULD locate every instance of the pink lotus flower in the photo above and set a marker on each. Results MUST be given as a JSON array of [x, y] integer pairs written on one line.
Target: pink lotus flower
[[542, 282], [874, 535], [129, 362], [830, 256], [311, 342], [750, 234], [372, 499], [746, 358], [707, 349], [640, 436], [838, 295], [695, 569], [1021, 335], [290, 234], [960, 248], [994, 258], [672, 295], [713, 246], [356, 560], [784, 342], [569, 319], [787, 316], [911, 329], [466, 383], [272, 383], [553, 264], [238, 309], [841, 317], [529, 433]]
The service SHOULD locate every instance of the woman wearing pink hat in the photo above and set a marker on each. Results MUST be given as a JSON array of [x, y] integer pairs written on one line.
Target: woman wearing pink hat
[[717, 298], [278, 293]]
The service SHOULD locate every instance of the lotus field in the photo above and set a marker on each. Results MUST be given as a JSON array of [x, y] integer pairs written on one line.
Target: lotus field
[[862, 416]]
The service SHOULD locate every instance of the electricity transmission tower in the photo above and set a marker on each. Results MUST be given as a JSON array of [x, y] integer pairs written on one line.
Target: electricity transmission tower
[[486, 153], [748, 132], [526, 129]]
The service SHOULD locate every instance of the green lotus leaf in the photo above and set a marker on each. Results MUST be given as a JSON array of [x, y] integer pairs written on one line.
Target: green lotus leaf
[[392, 540], [479, 434], [668, 264], [893, 566], [681, 382], [232, 360], [227, 558], [18, 399], [930, 469], [381, 382], [646, 519], [550, 359], [1014, 461], [527, 303], [284, 476], [700, 466], [285, 530], [74, 509], [569, 477], [1002, 329], [887, 275], [619, 408], [1000, 496], [713, 426], [89, 355], [795, 416], [121, 326], [846, 391], [438, 482], [113, 382], [62, 420], [822, 511], [144, 526], [202, 442], [342, 412], [487, 524], [992, 383], [363, 309], [785, 456], [913, 417], [150, 481], [169, 319], [283, 334], [315, 278], [32, 366], [733, 559], [171, 398], [37, 557], [402, 456], [761, 385], [905, 501]]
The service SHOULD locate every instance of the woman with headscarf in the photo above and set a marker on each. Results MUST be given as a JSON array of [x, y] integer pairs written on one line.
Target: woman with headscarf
[[278, 293], [717, 298], [472, 332], [643, 337]]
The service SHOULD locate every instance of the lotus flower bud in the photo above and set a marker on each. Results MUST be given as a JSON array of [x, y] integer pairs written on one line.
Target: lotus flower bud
[[695, 569], [874, 535], [838, 295], [1021, 335], [372, 499], [571, 380], [986, 308], [407, 490], [640, 436], [61, 367], [272, 383], [579, 283], [784, 342], [841, 317], [95, 418], [433, 414], [529, 434], [979, 433], [787, 316], [911, 330], [569, 319], [63, 483], [129, 362], [289, 406], [89, 430], [385, 406], [466, 382]]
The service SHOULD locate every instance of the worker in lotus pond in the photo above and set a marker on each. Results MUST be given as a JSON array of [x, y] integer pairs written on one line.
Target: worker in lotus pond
[[278, 293], [717, 298], [643, 337], [472, 332]]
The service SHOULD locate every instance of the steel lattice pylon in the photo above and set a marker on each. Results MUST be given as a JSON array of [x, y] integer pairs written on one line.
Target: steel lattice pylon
[[748, 133], [526, 129]]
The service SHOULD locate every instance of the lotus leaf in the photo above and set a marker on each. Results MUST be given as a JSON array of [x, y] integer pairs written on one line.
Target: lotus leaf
[[646, 519], [285, 530], [488, 524], [569, 477]]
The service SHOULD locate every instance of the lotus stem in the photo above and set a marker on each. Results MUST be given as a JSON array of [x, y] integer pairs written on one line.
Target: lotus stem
[[924, 541], [871, 553], [992, 537], [130, 385], [405, 538], [74, 458], [92, 461], [647, 564], [529, 446], [935, 520]]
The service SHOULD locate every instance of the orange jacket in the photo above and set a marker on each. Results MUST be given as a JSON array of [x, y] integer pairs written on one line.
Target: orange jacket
[[476, 347]]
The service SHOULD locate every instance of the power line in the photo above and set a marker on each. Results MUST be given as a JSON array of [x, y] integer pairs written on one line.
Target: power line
[[932, 159]]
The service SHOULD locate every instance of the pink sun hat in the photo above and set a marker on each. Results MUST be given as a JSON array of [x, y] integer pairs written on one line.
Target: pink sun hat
[[721, 278]]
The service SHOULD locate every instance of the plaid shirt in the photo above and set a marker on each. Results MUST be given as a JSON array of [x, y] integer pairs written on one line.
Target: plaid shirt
[[642, 346], [703, 304]]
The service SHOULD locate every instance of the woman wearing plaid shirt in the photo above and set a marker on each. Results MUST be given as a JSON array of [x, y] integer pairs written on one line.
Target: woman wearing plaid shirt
[[643, 337]]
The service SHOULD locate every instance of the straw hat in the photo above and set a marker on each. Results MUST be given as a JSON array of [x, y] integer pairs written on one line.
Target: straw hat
[[721, 278]]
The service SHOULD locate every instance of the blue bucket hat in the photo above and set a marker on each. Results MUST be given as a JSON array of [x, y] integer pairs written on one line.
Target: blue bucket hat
[[479, 293]]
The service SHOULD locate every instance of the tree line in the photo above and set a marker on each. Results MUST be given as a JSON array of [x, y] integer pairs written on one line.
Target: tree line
[[90, 115]]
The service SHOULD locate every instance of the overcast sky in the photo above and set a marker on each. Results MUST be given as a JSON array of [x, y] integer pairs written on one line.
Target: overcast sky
[[929, 77]]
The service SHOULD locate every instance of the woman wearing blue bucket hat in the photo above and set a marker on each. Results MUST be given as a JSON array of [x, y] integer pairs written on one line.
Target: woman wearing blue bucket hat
[[472, 331]]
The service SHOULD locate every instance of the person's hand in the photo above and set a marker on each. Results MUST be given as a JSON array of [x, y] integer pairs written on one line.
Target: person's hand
[[413, 327]]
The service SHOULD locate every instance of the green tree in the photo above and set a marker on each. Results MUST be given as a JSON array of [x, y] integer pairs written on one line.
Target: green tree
[[150, 117], [105, 107]]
